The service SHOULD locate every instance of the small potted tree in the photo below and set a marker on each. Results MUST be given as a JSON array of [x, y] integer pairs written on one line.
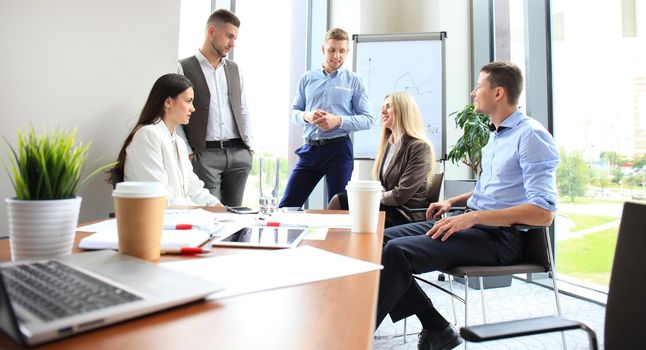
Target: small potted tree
[[45, 171], [468, 148]]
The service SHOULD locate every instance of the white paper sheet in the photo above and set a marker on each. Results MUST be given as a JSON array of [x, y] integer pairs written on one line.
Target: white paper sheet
[[171, 239], [312, 220], [258, 270], [198, 217], [315, 234], [105, 225]]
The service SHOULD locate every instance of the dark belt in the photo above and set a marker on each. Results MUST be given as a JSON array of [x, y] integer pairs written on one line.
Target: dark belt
[[322, 142], [225, 144]]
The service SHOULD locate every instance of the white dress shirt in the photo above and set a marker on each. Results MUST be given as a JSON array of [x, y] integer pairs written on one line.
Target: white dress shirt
[[157, 155]]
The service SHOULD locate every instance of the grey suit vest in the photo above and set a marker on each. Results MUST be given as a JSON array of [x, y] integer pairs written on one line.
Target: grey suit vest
[[196, 129]]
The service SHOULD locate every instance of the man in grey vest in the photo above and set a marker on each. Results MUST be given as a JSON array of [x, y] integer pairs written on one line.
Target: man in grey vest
[[219, 132]]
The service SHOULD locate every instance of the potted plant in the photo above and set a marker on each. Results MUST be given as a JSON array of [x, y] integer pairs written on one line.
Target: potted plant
[[45, 171], [468, 148]]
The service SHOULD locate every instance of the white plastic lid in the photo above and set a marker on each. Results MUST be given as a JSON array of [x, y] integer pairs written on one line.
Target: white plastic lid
[[140, 189], [364, 185]]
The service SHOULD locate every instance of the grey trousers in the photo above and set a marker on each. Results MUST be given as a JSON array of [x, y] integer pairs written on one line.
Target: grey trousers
[[224, 172]]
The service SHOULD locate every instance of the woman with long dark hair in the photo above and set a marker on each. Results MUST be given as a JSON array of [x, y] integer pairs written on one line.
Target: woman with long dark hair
[[153, 151]]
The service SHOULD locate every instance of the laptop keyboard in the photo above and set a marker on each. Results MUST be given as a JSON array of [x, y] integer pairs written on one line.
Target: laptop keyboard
[[52, 290]]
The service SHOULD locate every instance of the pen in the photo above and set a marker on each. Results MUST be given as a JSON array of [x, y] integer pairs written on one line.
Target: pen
[[278, 224], [180, 227], [185, 251]]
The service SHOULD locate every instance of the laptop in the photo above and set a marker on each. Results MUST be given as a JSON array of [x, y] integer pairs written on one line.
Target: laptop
[[50, 299]]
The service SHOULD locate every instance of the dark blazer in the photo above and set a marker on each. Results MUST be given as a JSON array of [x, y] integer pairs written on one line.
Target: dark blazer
[[405, 179]]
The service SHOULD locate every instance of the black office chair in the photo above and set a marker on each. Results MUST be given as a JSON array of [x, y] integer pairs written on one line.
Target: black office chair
[[625, 310], [436, 187], [537, 257], [418, 214]]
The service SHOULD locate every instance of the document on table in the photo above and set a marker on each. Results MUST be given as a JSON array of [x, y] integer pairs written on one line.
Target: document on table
[[259, 270], [315, 234], [110, 224], [170, 239], [198, 217], [312, 220]]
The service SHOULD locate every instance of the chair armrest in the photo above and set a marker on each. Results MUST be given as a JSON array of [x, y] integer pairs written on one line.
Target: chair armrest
[[530, 326], [423, 210], [524, 227], [463, 208], [414, 210]]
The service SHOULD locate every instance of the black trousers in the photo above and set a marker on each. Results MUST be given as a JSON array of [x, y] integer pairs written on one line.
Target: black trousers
[[409, 251]]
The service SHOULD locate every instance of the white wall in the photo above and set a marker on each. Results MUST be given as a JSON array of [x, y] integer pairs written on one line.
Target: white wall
[[411, 16], [83, 64]]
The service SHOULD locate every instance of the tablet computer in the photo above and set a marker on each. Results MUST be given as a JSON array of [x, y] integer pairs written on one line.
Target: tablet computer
[[262, 237]]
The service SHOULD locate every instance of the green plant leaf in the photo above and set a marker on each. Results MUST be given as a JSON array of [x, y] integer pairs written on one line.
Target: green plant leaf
[[475, 135], [49, 165]]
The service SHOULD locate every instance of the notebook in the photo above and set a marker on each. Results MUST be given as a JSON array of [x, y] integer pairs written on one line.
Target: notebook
[[50, 299], [171, 239]]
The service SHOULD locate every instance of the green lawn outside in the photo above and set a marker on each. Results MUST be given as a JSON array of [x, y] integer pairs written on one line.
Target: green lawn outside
[[583, 200], [584, 221], [588, 257]]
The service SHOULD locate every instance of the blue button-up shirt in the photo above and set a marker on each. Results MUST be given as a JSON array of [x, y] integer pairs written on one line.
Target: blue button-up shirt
[[341, 93], [518, 167]]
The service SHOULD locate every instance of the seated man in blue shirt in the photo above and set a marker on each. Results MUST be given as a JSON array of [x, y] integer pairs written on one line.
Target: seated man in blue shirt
[[330, 103], [517, 186]]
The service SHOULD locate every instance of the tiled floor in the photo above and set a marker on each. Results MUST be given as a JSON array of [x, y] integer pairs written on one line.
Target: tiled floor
[[521, 300]]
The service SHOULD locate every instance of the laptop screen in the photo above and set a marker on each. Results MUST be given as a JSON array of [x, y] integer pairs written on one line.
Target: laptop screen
[[8, 320]]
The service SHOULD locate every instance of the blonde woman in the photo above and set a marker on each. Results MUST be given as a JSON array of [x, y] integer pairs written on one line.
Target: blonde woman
[[404, 163]]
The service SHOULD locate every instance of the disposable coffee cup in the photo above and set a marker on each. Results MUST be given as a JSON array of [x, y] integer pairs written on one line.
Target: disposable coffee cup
[[139, 208], [363, 201]]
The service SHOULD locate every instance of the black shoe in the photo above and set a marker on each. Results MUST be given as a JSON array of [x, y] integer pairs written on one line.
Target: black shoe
[[444, 340]]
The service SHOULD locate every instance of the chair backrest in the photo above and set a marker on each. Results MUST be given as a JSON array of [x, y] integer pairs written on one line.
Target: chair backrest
[[436, 187], [626, 308], [535, 249]]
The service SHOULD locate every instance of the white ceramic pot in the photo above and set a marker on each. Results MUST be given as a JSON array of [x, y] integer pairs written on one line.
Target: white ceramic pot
[[40, 229]]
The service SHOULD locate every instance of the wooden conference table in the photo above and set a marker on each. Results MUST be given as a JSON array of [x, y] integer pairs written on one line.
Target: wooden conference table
[[335, 314]]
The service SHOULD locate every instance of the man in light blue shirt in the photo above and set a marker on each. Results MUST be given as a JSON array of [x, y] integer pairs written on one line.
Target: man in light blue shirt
[[330, 103], [517, 186]]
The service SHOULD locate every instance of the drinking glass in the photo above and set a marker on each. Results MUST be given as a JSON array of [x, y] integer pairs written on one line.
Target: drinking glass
[[269, 184]]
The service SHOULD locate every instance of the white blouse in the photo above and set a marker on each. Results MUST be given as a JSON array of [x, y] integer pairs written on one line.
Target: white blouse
[[390, 152], [157, 155]]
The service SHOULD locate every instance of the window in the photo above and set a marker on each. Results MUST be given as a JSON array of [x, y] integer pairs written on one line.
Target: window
[[599, 89], [262, 52], [517, 41], [599, 119], [192, 24]]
